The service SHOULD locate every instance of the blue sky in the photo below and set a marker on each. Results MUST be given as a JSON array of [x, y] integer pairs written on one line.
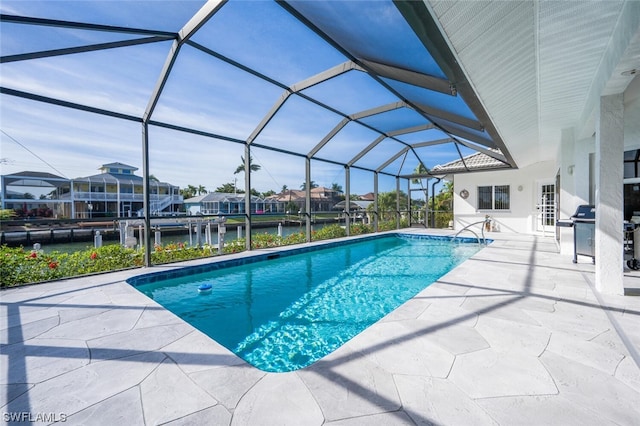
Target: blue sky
[[202, 93]]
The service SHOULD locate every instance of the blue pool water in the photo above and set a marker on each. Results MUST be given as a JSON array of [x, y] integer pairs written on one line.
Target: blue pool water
[[285, 313]]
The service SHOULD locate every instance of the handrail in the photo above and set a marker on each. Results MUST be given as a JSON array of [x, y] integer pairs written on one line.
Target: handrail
[[483, 222]]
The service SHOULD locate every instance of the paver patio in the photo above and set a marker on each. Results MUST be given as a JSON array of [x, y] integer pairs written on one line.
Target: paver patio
[[515, 335]]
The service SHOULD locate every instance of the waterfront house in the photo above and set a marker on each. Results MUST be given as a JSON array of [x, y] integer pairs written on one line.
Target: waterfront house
[[221, 203], [114, 192], [33, 194], [322, 200], [118, 191]]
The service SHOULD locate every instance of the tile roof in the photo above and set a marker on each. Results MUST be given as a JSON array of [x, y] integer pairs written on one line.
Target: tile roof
[[39, 175], [474, 162]]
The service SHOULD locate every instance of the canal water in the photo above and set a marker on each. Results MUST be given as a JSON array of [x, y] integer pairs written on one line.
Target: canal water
[[231, 235]]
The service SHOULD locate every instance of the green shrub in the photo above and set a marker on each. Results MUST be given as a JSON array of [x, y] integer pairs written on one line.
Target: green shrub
[[18, 266], [7, 214], [360, 228], [387, 225], [443, 219], [328, 232], [176, 252]]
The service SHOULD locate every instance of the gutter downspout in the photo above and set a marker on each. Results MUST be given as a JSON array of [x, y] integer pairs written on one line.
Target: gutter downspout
[[433, 202]]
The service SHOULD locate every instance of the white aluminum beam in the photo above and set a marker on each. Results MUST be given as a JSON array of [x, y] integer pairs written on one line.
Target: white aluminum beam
[[366, 150], [81, 49], [392, 159], [410, 77], [454, 118], [325, 75]]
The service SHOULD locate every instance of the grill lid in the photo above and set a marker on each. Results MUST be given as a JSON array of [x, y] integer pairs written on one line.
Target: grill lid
[[584, 212]]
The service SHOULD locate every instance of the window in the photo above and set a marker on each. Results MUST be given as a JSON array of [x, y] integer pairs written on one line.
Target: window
[[632, 164], [494, 197]]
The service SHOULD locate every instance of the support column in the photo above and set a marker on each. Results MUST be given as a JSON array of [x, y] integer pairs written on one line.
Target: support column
[[307, 205], [397, 202], [375, 202], [609, 194], [3, 188], [72, 197], [146, 240], [347, 199], [567, 190], [247, 195]]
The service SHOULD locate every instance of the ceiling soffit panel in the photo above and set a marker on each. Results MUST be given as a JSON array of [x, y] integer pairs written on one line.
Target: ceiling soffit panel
[[572, 39], [496, 43], [426, 27]]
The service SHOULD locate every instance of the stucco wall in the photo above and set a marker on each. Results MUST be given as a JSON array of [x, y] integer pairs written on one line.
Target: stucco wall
[[524, 191]]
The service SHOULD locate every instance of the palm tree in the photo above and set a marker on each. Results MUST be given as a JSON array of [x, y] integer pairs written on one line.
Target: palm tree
[[419, 170], [189, 192], [336, 188], [387, 203], [201, 190], [228, 188], [284, 189], [312, 185], [444, 198], [252, 167]]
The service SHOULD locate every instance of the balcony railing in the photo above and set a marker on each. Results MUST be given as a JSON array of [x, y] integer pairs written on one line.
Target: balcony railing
[[124, 197]]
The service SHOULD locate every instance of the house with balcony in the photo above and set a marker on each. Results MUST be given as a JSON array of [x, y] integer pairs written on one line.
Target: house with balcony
[[117, 191], [114, 192]]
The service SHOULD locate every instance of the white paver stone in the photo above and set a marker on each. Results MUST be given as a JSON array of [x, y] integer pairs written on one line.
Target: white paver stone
[[136, 341], [217, 416], [20, 333], [396, 418], [94, 326], [228, 384], [629, 373], [539, 410], [84, 387], [430, 400], [490, 373], [504, 335], [586, 352], [197, 352], [169, 394], [124, 408], [347, 385], [405, 347], [592, 389], [278, 399], [41, 359]]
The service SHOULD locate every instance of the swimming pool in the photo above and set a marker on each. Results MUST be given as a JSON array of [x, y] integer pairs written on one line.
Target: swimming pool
[[282, 312]]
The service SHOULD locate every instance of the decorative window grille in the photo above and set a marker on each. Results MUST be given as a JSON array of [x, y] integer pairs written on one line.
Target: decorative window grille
[[496, 197]]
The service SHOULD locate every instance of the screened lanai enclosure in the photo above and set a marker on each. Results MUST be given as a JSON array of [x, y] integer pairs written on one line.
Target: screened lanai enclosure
[[361, 97]]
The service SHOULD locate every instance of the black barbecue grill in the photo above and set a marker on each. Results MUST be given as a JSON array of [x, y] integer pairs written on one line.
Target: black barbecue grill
[[584, 230], [583, 223]]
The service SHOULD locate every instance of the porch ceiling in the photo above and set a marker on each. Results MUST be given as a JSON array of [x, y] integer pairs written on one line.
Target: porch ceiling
[[540, 66]]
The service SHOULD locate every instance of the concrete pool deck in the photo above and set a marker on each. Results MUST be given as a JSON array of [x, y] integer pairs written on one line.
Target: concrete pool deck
[[515, 335]]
